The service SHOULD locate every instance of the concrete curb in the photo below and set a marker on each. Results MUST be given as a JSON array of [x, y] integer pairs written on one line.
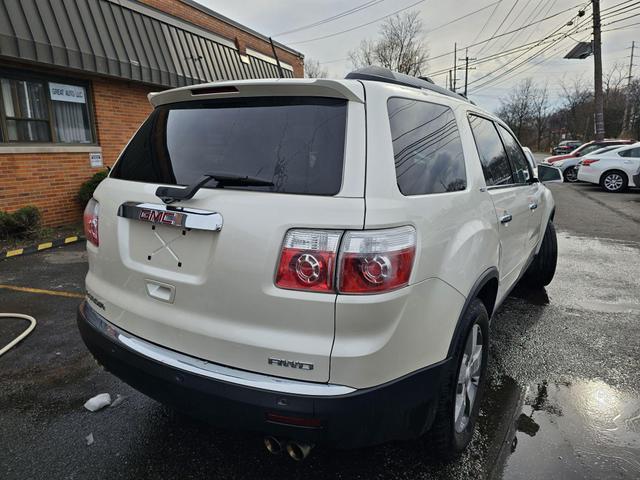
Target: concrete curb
[[58, 242]]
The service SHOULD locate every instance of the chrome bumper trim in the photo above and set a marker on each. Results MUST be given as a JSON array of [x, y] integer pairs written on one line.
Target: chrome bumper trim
[[207, 369]]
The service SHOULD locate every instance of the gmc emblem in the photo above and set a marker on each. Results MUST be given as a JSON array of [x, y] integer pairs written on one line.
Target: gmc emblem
[[290, 363], [160, 216]]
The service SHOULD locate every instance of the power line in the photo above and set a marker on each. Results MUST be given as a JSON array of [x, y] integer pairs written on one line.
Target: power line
[[486, 23], [513, 21], [346, 13], [500, 79], [358, 26], [526, 60], [508, 33], [462, 17], [576, 29], [537, 44], [497, 29], [494, 56]]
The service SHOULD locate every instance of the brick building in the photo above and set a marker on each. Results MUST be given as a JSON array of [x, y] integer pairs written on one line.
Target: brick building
[[74, 79]]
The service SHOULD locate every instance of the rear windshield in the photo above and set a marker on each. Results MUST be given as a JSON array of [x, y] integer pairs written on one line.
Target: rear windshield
[[297, 143]]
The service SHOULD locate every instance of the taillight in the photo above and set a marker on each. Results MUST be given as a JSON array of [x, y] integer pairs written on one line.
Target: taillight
[[308, 260], [589, 161], [90, 220], [376, 260]]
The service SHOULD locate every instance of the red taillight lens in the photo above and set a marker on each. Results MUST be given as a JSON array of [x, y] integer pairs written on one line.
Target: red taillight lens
[[588, 161], [90, 220], [307, 260], [377, 260]]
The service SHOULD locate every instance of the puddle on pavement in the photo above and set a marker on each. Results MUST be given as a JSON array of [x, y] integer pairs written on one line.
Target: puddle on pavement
[[580, 429]]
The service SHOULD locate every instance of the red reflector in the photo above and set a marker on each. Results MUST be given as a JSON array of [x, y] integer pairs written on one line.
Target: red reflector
[[213, 90], [297, 421]]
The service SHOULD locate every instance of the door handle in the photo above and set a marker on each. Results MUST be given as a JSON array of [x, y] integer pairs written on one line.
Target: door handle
[[533, 206], [506, 218]]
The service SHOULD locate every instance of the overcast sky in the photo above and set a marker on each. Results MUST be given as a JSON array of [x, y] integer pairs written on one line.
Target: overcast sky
[[277, 16]]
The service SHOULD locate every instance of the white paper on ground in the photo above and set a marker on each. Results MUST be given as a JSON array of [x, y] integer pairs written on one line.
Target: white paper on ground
[[99, 401]]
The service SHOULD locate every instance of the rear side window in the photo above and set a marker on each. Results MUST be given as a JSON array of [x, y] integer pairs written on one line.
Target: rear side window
[[631, 152], [516, 155], [493, 157], [295, 142], [426, 147]]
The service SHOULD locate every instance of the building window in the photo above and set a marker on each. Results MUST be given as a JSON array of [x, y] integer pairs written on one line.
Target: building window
[[37, 110]]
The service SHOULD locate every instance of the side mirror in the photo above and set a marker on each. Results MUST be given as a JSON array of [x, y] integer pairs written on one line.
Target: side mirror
[[577, 154], [549, 174]]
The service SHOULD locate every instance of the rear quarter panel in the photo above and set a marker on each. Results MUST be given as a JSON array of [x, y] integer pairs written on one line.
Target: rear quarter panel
[[457, 242]]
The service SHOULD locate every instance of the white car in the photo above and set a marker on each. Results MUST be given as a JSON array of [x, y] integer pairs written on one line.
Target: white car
[[614, 170], [315, 260], [569, 166]]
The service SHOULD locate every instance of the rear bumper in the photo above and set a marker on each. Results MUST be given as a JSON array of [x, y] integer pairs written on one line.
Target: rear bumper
[[401, 409], [636, 180]]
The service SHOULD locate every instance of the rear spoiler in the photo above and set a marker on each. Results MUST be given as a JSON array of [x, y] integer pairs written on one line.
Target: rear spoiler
[[261, 88]]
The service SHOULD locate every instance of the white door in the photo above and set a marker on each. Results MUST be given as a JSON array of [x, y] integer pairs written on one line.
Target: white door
[[509, 199], [529, 192]]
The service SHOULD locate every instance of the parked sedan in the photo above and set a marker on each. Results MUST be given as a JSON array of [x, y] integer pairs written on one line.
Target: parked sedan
[[590, 147], [566, 146], [614, 170], [569, 166]]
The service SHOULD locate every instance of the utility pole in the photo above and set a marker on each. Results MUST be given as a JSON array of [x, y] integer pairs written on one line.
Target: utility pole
[[455, 65], [466, 69], [597, 72], [450, 80], [628, 107]]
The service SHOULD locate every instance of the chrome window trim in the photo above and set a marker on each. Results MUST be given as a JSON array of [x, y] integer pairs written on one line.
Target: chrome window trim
[[208, 369]]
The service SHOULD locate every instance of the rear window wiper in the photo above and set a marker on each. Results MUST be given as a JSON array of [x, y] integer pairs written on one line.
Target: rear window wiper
[[175, 194]]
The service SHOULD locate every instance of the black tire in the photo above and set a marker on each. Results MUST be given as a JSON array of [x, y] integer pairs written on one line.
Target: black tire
[[445, 441], [543, 268], [570, 175], [608, 184]]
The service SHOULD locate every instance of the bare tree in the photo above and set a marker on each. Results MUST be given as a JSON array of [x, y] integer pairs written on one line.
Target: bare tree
[[517, 108], [540, 114], [400, 46], [312, 69]]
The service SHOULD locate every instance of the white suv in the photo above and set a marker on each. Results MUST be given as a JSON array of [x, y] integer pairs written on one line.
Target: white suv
[[315, 260]]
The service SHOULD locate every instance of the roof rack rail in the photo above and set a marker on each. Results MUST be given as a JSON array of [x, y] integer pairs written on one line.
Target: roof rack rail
[[380, 74]]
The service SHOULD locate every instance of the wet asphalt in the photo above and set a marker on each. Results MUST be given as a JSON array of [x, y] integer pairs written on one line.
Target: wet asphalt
[[563, 401]]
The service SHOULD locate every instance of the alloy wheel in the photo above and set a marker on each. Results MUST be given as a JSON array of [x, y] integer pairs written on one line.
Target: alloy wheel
[[613, 182], [571, 175], [469, 370]]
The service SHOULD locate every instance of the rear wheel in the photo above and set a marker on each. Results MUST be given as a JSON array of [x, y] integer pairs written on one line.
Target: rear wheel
[[571, 175], [463, 389], [543, 268], [614, 181]]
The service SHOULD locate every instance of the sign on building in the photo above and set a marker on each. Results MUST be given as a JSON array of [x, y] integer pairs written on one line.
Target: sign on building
[[60, 92]]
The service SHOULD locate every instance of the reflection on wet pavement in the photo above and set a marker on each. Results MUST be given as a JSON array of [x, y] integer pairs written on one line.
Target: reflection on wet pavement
[[574, 411]]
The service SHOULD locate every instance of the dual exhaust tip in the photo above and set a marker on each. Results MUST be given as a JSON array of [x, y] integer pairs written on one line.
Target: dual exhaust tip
[[298, 451]]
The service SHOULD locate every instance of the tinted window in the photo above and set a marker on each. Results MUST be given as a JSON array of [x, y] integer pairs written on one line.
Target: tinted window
[[631, 152], [515, 154], [495, 165], [426, 147], [295, 142], [591, 148]]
